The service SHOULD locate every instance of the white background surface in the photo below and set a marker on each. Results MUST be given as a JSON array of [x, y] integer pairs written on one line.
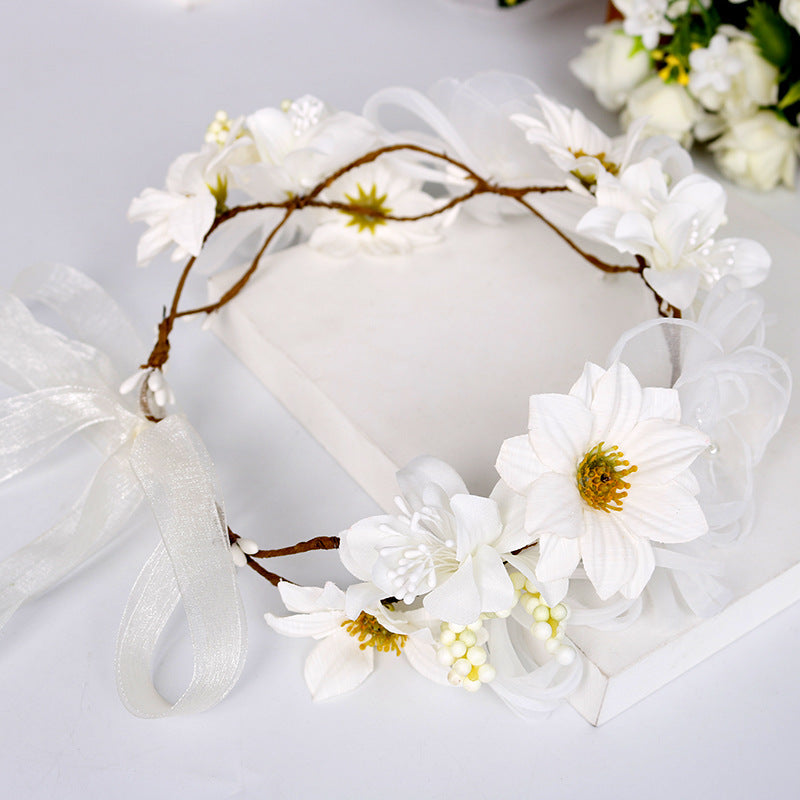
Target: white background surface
[[98, 99]]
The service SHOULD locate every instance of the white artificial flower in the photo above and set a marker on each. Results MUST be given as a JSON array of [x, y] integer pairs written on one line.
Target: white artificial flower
[[610, 67], [345, 655], [298, 145], [752, 87], [605, 472], [759, 152], [196, 185], [648, 19], [376, 187], [668, 107], [790, 11], [673, 229], [181, 215], [576, 145], [445, 545], [712, 69]]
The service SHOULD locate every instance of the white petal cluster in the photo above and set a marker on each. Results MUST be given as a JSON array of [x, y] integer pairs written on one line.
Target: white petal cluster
[[605, 472], [674, 229]]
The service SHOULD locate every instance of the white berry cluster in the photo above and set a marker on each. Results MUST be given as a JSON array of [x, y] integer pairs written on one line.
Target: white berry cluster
[[547, 625], [461, 649]]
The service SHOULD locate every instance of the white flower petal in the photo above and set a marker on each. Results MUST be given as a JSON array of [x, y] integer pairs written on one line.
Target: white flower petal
[[491, 577], [512, 513], [661, 450], [558, 557], [358, 545], [584, 387], [190, 221], [337, 665], [677, 287], [317, 624], [608, 551], [477, 522], [645, 564], [455, 599], [361, 596], [304, 599], [559, 429], [517, 464], [555, 506], [658, 403], [424, 470], [616, 405], [664, 514]]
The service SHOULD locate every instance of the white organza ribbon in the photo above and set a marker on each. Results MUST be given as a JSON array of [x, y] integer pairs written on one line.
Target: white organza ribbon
[[191, 563], [75, 390]]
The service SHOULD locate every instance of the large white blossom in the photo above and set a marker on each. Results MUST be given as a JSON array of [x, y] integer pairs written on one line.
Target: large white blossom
[[345, 655], [668, 107], [445, 545], [611, 67], [673, 228], [759, 151], [752, 87], [605, 472]]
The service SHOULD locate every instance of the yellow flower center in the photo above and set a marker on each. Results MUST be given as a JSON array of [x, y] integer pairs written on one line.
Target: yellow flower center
[[590, 180], [365, 204], [371, 633], [601, 477]]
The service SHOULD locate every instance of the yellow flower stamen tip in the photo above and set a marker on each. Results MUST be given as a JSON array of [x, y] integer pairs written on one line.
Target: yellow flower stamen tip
[[370, 633], [601, 477], [369, 209], [219, 128]]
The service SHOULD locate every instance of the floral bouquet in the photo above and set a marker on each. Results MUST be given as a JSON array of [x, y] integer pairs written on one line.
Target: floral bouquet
[[719, 71]]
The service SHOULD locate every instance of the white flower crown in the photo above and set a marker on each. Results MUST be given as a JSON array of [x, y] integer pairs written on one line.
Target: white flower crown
[[611, 481]]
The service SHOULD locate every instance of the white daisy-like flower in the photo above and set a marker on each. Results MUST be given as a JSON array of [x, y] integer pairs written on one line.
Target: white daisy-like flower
[[576, 145], [605, 472], [376, 189], [446, 545], [345, 655], [673, 229]]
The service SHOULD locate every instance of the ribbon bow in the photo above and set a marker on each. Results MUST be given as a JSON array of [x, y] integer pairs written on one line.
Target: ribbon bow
[[73, 387]]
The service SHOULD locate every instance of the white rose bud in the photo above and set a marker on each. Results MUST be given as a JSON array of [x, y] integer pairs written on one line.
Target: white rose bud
[[790, 11], [669, 107], [756, 84], [607, 66], [759, 152]]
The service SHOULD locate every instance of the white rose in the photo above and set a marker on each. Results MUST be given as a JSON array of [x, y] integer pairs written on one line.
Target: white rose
[[790, 11], [607, 66], [756, 84], [759, 152], [669, 107]]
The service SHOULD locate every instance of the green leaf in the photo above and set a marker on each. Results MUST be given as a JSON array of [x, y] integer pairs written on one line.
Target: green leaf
[[791, 97], [772, 33]]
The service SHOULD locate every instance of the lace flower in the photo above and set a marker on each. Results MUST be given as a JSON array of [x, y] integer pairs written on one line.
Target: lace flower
[[605, 472], [345, 655]]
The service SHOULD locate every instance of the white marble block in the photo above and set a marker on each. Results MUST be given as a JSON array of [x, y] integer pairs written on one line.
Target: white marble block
[[383, 359]]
